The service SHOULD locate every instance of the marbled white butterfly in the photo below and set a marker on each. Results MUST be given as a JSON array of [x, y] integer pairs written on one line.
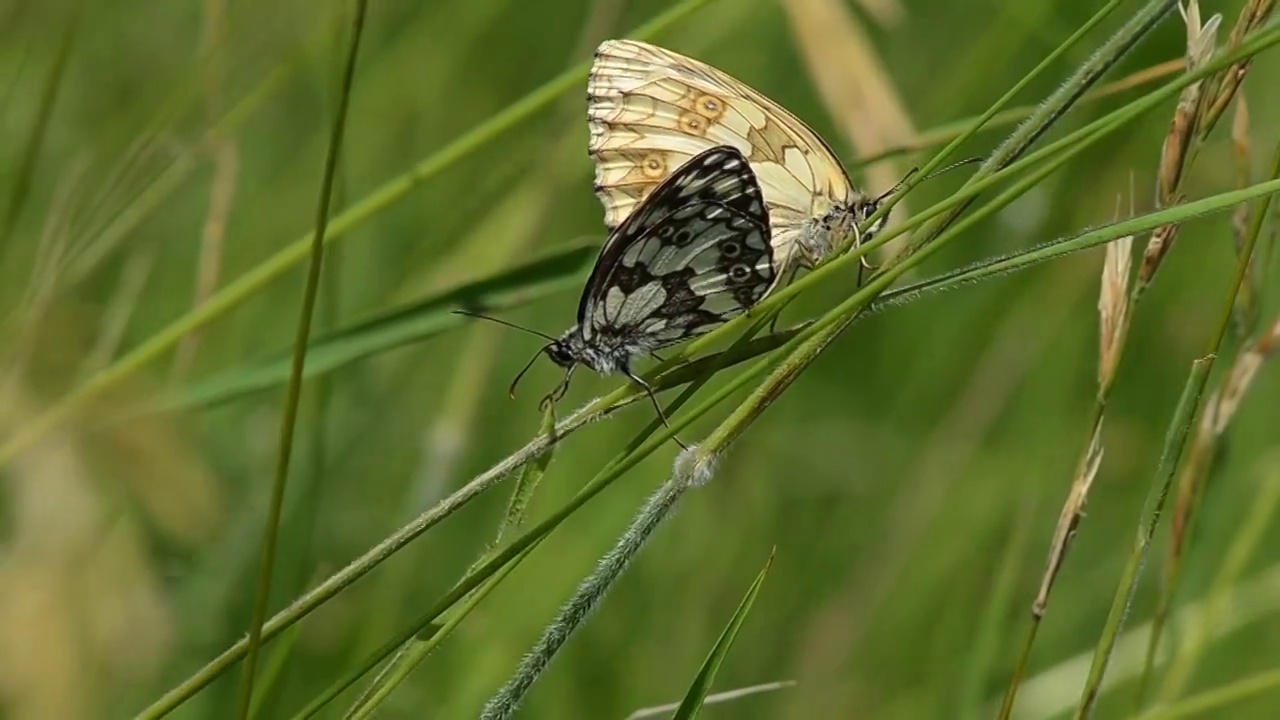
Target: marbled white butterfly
[[694, 255], [649, 109]]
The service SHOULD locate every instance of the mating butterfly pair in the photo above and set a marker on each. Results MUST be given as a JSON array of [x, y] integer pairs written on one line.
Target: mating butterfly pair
[[711, 193]]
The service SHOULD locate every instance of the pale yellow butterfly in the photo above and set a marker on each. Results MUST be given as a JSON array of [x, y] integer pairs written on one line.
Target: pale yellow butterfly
[[650, 109]]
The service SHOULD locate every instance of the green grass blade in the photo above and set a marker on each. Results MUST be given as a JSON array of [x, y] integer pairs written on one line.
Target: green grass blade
[[293, 397], [557, 271], [701, 686]]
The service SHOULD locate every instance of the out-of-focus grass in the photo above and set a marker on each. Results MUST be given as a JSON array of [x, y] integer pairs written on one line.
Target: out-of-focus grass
[[891, 476]]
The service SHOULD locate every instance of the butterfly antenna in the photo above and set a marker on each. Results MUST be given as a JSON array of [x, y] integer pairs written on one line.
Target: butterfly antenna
[[898, 185], [952, 166], [511, 389], [490, 318], [930, 176]]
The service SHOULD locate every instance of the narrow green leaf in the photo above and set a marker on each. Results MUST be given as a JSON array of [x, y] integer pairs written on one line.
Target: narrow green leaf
[[554, 272], [697, 694], [527, 483]]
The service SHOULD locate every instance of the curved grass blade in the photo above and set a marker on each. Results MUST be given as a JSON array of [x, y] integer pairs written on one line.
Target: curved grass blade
[[720, 697], [702, 683], [556, 271]]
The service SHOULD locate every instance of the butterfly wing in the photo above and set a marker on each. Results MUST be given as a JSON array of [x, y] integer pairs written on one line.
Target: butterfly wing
[[692, 256], [650, 109]]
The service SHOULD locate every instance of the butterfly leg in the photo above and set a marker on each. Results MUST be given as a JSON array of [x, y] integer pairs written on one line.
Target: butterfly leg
[[863, 263], [558, 391], [654, 399], [811, 260]]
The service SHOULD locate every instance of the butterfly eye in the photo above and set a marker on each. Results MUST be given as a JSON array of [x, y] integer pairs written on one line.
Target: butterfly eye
[[730, 249], [739, 273]]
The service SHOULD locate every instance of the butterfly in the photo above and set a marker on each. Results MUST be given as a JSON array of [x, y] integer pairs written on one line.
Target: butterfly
[[649, 109], [690, 257]]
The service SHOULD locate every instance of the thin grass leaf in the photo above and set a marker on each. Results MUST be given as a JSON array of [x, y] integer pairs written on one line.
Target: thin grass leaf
[[294, 396], [701, 686], [527, 483], [715, 698], [557, 271]]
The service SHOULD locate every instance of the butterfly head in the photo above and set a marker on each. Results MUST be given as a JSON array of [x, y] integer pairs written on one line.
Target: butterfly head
[[864, 210], [567, 350], [824, 235]]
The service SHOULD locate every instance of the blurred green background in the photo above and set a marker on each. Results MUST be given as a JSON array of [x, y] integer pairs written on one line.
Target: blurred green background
[[918, 464]]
